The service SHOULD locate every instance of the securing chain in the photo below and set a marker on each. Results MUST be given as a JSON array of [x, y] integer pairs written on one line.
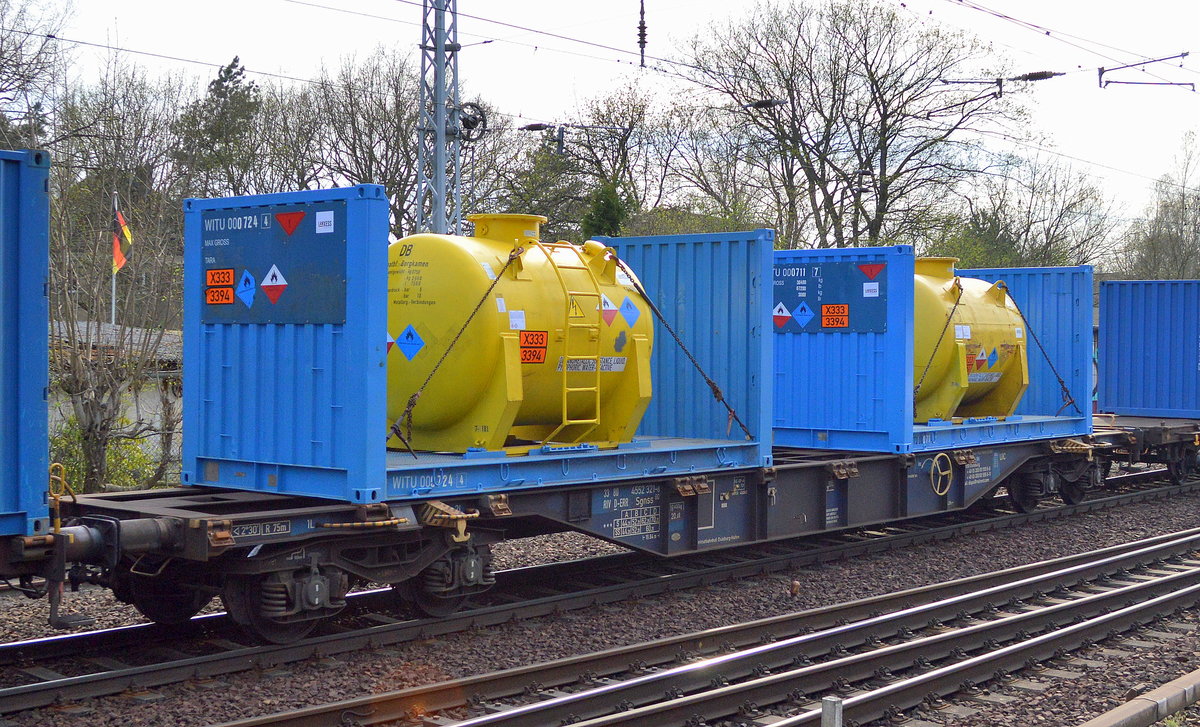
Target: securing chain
[[712, 385], [403, 422], [941, 336]]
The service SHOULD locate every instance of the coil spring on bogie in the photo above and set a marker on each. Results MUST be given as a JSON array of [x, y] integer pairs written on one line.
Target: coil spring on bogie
[[274, 599]]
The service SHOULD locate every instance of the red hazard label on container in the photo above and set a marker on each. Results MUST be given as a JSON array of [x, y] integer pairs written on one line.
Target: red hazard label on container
[[289, 221], [836, 315], [218, 296], [533, 346], [872, 269]]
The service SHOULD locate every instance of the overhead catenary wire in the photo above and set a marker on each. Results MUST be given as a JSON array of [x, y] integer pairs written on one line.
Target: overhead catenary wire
[[1058, 35], [214, 64]]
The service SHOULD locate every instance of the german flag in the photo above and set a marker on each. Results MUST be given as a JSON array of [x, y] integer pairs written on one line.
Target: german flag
[[122, 238]]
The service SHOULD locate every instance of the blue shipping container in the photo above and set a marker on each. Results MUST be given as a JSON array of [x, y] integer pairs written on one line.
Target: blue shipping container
[[24, 341], [714, 291], [1150, 348], [850, 388], [285, 344]]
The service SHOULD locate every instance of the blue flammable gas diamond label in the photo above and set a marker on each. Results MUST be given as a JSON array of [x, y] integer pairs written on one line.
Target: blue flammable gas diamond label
[[803, 314], [630, 312], [410, 343], [992, 357], [246, 288]]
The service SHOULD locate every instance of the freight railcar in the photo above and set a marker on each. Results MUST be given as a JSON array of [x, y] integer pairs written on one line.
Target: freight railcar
[[356, 412]]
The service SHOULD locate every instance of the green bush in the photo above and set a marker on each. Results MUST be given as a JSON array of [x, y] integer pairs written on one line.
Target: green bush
[[128, 464]]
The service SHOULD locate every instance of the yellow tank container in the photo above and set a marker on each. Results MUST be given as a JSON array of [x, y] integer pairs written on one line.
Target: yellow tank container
[[976, 362], [558, 352]]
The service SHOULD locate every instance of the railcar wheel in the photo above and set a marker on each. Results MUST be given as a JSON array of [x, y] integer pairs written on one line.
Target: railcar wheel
[[433, 605], [165, 601], [1072, 493], [243, 599], [1181, 465], [1021, 495]]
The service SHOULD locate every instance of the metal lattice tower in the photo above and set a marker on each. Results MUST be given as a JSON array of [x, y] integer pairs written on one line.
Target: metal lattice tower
[[439, 150]]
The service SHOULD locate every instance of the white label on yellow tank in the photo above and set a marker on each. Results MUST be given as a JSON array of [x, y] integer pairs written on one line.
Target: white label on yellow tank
[[962, 331], [530, 233], [500, 305], [487, 268], [516, 320], [607, 364], [1018, 333], [624, 279], [986, 377]]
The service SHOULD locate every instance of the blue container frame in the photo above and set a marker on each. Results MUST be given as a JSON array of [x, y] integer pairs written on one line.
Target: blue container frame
[[291, 408], [853, 391], [24, 341], [1149, 348], [695, 281]]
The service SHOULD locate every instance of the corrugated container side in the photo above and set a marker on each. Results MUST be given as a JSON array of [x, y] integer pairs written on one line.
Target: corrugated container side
[[292, 407], [24, 341], [714, 290], [1149, 356], [844, 389], [1057, 305]]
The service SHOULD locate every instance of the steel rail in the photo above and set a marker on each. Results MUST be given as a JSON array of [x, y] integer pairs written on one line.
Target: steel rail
[[669, 666], [632, 576]]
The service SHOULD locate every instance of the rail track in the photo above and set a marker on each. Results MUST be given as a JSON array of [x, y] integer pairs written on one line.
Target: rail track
[[77, 666], [881, 655]]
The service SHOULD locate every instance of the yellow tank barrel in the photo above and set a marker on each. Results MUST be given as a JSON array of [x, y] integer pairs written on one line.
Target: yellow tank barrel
[[557, 353], [969, 345]]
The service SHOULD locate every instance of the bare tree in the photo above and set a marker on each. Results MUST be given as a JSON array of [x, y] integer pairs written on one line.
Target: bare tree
[[30, 60], [285, 139], [866, 136], [370, 113], [1040, 212], [624, 139], [1165, 242], [102, 366]]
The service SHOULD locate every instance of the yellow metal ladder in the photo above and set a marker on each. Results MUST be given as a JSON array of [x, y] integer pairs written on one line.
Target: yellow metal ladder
[[581, 345]]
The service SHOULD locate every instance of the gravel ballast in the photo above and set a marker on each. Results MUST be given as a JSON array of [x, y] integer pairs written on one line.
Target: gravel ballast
[[515, 644]]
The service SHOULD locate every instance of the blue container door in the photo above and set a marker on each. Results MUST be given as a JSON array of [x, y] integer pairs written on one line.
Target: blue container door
[[24, 341]]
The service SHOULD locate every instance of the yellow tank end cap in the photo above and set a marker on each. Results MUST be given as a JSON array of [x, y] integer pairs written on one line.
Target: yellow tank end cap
[[936, 267], [507, 228]]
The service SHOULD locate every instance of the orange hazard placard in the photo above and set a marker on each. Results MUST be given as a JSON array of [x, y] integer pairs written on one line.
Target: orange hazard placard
[[836, 315], [218, 296], [533, 346], [219, 276]]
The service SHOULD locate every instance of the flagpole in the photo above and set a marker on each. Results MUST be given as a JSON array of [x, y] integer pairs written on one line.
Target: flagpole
[[113, 319]]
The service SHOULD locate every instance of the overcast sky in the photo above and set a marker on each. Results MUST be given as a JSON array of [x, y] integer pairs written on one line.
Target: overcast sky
[[1124, 135]]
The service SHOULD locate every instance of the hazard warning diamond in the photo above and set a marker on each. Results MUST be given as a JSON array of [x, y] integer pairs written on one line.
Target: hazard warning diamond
[[608, 310], [273, 284], [245, 288], [803, 314], [410, 343], [390, 342], [781, 315]]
